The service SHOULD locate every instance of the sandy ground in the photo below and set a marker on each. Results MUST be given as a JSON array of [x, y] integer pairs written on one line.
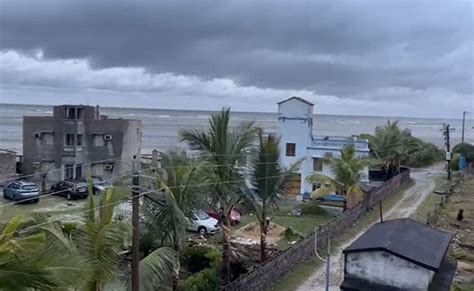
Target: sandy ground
[[252, 231], [412, 198]]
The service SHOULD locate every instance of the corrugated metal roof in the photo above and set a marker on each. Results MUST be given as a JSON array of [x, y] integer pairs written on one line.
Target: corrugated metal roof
[[405, 238]]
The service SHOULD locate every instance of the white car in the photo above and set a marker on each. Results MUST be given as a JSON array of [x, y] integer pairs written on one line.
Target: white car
[[202, 223]]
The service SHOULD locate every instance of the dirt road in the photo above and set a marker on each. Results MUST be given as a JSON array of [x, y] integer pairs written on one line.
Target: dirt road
[[412, 198]]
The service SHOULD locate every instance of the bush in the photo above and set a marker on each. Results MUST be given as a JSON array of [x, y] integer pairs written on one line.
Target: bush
[[205, 280], [208, 261], [291, 234], [198, 258], [312, 209], [465, 149]]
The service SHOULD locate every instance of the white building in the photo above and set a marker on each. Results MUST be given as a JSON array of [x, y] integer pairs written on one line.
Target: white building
[[295, 128], [400, 254]]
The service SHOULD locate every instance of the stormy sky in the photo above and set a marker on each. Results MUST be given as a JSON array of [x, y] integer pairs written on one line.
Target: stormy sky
[[392, 57]]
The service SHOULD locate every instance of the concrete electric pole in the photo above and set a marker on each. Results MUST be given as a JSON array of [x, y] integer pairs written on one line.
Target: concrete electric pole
[[136, 225]]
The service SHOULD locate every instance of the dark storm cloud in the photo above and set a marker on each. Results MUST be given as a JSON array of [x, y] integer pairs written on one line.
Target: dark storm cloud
[[342, 48]]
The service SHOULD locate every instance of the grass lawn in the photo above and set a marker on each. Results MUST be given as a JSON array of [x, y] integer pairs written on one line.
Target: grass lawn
[[428, 205], [293, 279], [304, 224]]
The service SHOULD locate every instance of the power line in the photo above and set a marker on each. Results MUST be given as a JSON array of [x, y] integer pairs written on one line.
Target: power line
[[139, 195]]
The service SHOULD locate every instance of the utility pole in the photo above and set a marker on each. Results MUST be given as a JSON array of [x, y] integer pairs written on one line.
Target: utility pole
[[463, 125], [328, 264], [136, 226], [446, 132], [380, 210]]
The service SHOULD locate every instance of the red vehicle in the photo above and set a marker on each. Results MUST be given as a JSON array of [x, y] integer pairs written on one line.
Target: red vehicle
[[234, 216]]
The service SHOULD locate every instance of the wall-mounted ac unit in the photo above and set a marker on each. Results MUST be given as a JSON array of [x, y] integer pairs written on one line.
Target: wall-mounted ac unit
[[108, 167], [36, 164], [37, 134], [107, 137]]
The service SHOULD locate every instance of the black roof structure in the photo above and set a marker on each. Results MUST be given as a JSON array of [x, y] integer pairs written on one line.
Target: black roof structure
[[407, 239], [297, 98]]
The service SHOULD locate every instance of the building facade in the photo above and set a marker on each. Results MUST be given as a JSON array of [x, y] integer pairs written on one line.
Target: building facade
[[77, 141], [295, 128], [7, 166], [400, 254]]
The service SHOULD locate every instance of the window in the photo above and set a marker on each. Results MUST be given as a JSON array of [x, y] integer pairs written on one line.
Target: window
[[69, 139], [79, 140], [290, 149], [328, 155], [69, 171], [317, 164], [80, 112], [70, 113], [316, 186], [78, 171], [47, 138], [98, 140]]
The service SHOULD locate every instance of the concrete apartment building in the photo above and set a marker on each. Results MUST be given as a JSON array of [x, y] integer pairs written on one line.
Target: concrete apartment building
[[77, 141], [295, 128], [7, 166]]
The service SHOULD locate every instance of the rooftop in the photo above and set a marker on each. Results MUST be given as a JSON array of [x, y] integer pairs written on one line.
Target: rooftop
[[297, 98], [405, 238]]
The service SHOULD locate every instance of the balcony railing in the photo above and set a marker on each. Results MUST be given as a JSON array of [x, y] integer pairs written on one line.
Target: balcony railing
[[339, 143]]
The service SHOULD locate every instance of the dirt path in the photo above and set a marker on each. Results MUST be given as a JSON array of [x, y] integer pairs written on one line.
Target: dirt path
[[412, 198]]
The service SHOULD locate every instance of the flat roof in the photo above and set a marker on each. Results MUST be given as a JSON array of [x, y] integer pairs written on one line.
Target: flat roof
[[407, 239]]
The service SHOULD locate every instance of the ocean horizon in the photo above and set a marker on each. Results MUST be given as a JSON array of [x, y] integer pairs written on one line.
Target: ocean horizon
[[161, 126]]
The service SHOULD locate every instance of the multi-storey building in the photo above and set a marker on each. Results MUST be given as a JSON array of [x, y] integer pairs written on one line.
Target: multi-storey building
[[77, 141]]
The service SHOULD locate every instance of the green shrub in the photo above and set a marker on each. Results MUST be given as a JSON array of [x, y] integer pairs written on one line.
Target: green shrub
[[198, 258], [205, 280], [465, 149], [291, 234], [310, 208]]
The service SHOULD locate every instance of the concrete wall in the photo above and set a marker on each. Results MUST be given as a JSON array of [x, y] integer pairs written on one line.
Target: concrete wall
[[263, 276], [117, 152], [383, 268], [7, 166]]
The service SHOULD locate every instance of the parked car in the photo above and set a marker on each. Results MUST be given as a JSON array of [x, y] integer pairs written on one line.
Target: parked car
[[22, 191], [234, 216], [99, 184], [202, 223], [71, 189]]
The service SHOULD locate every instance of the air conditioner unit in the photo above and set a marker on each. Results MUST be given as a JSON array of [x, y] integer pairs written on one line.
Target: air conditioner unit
[[36, 164], [37, 134], [108, 167], [107, 137]]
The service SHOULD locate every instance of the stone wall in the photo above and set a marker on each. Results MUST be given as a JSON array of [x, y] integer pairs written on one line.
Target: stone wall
[[263, 276], [7, 166]]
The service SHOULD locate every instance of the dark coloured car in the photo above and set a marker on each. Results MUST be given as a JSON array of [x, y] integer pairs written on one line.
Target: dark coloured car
[[70, 189], [21, 191], [99, 184]]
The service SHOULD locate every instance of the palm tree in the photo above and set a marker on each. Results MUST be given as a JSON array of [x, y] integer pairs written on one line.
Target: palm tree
[[169, 210], [390, 144], [101, 240], [38, 257], [225, 148], [269, 182], [347, 172]]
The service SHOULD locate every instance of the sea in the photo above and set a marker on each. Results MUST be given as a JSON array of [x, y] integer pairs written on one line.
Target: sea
[[161, 126]]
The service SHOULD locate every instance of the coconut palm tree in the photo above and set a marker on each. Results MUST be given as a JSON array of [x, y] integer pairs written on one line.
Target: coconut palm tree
[[101, 240], [347, 172], [168, 211], [270, 183], [226, 149], [38, 257]]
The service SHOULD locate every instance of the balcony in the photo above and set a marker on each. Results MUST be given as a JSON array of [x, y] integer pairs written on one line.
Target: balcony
[[339, 143]]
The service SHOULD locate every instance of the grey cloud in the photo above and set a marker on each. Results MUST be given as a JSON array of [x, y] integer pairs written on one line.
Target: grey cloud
[[329, 47]]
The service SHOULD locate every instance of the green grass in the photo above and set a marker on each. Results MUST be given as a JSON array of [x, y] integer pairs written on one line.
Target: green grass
[[429, 204], [293, 279]]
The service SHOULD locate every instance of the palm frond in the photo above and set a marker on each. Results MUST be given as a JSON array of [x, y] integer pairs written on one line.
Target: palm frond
[[156, 268]]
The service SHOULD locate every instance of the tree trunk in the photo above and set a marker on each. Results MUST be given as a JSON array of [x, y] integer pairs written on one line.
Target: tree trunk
[[263, 240], [177, 269], [225, 271]]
